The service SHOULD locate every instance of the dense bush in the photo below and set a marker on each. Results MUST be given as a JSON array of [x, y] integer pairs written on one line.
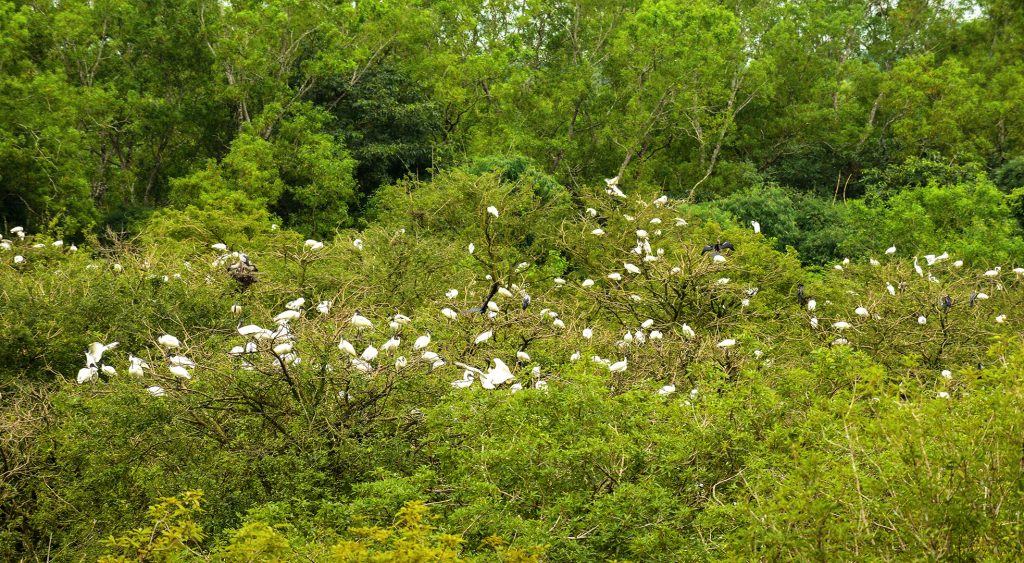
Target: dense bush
[[695, 449]]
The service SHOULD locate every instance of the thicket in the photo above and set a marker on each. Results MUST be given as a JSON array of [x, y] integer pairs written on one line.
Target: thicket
[[430, 165]]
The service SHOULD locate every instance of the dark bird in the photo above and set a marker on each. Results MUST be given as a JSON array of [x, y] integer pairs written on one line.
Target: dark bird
[[800, 295], [947, 303], [718, 247], [243, 270], [526, 301], [974, 298]]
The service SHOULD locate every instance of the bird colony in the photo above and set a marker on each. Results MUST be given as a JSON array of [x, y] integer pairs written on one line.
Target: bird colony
[[657, 300]]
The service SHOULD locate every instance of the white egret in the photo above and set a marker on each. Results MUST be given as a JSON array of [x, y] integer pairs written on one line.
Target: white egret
[[449, 313], [313, 244], [656, 335], [421, 342], [1001, 319], [492, 307], [587, 283], [922, 320], [180, 371], [718, 258], [295, 304], [947, 374], [249, 330], [647, 324], [324, 307], [346, 346], [358, 243], [369, 354], [558, 323], [283, 348], [499, 373], [890, 289], [472, 248], [814, 322], [619, 367], [286, 316], [361, 365], [493, 211], [667, 390], [360, 322], [451, 293], [219, 246], [181, 361], [87, 374], [615, 276], [688, 332], [812, 304], [168, 341], [136, 365], [631, 268], [841, 325], [401, 362], [891, 250], [756, 226], [727, 343], [391, 344], [862, 312], [95, 352], [597, 232], [522, 356], [156, 391], [483, 337], [592, 212], [466, 381]]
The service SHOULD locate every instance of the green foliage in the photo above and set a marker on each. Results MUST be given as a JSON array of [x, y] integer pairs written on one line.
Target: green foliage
[[1010, 176], [440, 168], [171, 529]]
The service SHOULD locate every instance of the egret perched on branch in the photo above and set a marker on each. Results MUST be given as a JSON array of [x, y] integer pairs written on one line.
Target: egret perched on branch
[[618, 367], [168, 341], [391, 344], [360, 322], [421, 342], [493, 211]]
